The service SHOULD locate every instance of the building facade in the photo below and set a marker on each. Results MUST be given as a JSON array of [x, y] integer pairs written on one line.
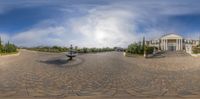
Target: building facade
[[172, 42]]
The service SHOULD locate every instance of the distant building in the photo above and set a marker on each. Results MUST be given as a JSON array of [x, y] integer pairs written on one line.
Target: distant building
[[172, 42]]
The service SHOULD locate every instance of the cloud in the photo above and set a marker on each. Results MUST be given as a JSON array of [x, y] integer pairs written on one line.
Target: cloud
[[119, 24], [193, 36], [40, 36], [105, 24]]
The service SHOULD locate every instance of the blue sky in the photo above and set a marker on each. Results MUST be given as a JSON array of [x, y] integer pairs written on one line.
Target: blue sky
[[96, 23]]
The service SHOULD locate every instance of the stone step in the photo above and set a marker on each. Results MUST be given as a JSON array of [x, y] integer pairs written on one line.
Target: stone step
[[171, 54]]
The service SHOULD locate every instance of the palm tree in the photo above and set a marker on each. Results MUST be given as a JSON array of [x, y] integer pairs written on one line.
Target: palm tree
[[144, 47]]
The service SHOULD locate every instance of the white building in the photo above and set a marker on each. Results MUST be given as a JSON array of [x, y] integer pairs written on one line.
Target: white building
[[172, 42]]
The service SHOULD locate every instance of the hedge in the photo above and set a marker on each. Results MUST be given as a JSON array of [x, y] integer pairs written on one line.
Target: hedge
[[196, 50]]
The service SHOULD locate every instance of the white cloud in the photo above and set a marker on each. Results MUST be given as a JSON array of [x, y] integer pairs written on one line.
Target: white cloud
[[110, 25], [193, 36], [106, 26], [39, 36]]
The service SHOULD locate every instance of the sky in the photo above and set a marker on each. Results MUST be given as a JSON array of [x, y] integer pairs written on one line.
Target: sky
[[96, 23]]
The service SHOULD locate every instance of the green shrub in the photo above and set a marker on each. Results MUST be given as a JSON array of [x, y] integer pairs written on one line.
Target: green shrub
[[135, 49], [94, 50], [63, 49], [196, 50], [85, 50], [8, 48], [55, 49], [139, 49], [149, 50]]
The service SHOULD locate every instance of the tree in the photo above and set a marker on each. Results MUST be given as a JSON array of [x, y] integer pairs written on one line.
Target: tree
[[199, 41], [85, 50], [143, 45], [133, 49], [10, 48]]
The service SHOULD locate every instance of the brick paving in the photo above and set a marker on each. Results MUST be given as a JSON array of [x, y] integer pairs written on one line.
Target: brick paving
[[37, 74]]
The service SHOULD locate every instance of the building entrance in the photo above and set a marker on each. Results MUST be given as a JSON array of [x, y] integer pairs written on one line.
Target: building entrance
[[172, 48]]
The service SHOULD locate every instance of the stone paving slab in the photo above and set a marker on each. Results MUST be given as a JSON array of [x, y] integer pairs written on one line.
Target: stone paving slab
[[102, 75]]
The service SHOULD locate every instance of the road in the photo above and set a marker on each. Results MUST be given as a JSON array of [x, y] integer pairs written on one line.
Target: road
[[106, 75]]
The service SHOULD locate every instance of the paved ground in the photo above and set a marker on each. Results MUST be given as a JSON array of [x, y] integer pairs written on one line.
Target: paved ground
[[104, 75]]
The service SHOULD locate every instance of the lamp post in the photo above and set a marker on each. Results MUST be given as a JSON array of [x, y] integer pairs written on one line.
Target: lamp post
[[144, 48]]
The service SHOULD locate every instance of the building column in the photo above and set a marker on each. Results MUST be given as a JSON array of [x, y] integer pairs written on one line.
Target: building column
[[176, 44], [166, 44], [181, 44], [161, 44]]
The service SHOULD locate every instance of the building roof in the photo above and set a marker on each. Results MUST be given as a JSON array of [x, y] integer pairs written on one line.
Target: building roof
[[171, 36]]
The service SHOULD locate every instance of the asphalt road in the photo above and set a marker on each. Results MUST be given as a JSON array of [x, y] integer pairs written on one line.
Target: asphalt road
[[106, 75]]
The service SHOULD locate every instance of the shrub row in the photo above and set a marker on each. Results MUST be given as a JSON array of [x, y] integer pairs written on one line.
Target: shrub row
[[149, 50], [55, 49], [94, 50], [139, 49], [64, 49], [196, 50]]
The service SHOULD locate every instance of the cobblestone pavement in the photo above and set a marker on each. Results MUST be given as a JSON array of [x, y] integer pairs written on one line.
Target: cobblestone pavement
[[37, 74]]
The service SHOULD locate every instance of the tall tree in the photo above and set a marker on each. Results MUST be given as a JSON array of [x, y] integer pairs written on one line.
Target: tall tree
[[144, 47], [199, 40], [9, 47]]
